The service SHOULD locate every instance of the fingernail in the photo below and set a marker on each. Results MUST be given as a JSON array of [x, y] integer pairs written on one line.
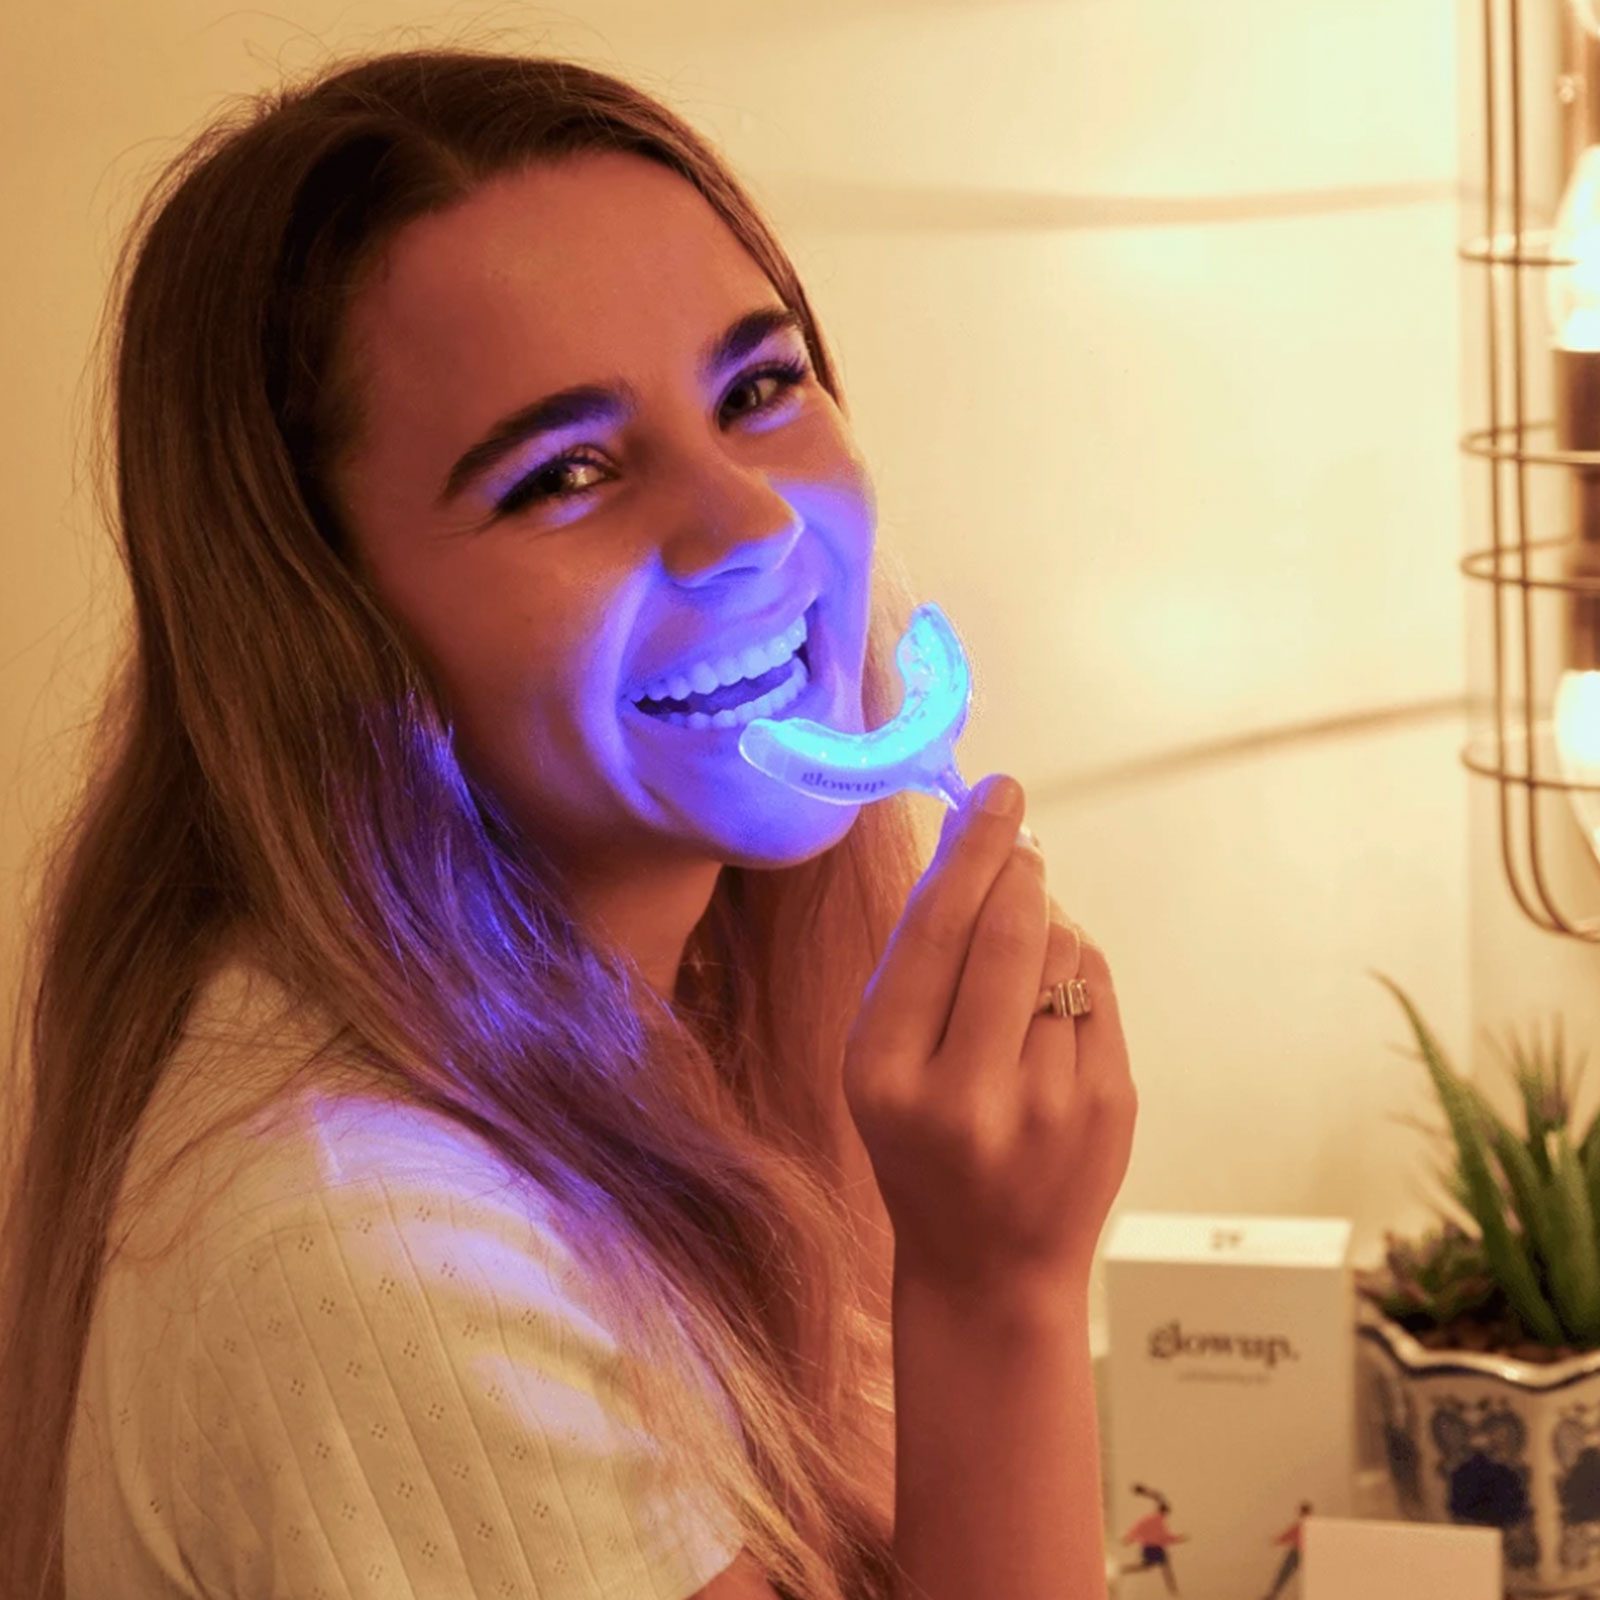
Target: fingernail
[[1030, 838], [1000, 796]]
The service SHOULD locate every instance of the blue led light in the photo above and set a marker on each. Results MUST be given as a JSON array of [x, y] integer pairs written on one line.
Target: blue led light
[[914, 750]]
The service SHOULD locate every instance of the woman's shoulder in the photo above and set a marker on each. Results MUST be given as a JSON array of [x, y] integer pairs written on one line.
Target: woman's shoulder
[[260, 1113]]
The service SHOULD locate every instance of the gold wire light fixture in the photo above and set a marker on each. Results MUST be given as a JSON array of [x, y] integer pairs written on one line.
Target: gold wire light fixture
[[1541, 160]]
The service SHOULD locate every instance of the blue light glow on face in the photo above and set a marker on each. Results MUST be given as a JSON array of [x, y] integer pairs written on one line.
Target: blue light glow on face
[[914, 750]]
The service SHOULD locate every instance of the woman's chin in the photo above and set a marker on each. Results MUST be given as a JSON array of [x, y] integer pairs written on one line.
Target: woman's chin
[[787, 834]]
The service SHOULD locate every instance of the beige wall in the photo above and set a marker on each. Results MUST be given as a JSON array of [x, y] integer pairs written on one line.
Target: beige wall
[[1150, 324]]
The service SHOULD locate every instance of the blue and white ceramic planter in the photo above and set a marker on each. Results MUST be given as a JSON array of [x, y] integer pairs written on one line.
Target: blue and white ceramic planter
[[1494, 1442]]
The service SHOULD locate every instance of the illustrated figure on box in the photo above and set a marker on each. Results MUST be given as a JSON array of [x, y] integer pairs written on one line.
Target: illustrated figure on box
[[1152, 1535], [1290, 1536]]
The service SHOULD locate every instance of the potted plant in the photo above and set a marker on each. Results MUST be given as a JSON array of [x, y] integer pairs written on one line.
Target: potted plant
[[1480, 1346]]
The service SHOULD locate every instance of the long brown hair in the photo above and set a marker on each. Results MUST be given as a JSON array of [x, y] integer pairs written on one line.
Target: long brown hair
[[271, 754]]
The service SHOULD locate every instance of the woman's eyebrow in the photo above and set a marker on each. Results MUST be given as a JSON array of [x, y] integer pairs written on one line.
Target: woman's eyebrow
[[604, 404]]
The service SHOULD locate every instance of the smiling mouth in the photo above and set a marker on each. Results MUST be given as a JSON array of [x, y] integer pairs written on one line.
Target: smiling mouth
[[738, 704], [782, 685]]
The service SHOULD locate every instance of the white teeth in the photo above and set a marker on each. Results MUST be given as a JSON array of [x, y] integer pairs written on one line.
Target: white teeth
[[752, 662], [769, 705]]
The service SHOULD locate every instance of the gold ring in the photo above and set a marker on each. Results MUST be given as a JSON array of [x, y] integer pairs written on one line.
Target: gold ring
[[1068, 999]]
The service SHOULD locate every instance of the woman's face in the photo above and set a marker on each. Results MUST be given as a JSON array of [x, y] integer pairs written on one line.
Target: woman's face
[[550, 577]]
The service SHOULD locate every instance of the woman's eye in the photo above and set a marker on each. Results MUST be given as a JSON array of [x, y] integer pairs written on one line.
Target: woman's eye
[[548, 481]]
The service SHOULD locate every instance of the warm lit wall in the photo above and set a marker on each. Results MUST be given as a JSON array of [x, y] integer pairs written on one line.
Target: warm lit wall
[[1148, 317]]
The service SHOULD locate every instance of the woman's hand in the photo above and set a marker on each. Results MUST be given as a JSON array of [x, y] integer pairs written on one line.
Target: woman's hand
[[999, 1138]]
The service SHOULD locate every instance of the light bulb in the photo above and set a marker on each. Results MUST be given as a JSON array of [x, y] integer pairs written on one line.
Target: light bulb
[[1572, 302], [1577, 718], [1572, 294]]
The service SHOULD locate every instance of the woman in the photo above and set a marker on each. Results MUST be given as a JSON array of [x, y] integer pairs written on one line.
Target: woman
[[441, 1176]]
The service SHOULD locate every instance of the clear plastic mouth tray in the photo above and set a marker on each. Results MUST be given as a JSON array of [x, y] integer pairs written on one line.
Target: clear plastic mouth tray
[[914, 750]]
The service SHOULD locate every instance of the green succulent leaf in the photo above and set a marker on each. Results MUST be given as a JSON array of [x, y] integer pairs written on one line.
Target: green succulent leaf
[[1528, 1188], [1589, 1162], [1455, 1186], [1538, 1127], [1535, 1104], [1581, 1310], [1507, 1253], [1589, 1148]]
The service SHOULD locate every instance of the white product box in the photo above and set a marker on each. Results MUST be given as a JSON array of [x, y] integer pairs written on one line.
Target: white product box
[[1401, 1561], [1230, 1392]]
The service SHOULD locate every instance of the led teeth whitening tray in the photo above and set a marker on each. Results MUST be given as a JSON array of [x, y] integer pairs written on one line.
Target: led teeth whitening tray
[[915, 750]]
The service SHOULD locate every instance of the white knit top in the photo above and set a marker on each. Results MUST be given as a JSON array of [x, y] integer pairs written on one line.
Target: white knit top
[[335, 1354]]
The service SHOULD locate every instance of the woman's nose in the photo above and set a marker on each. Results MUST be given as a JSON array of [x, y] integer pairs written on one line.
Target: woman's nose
[[715, 557], [739, 523]]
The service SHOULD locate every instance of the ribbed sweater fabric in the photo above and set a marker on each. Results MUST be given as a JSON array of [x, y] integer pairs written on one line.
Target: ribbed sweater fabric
[[336, 1353]]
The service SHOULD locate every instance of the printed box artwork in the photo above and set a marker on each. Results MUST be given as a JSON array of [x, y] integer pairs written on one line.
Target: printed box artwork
[[1231, 1399]]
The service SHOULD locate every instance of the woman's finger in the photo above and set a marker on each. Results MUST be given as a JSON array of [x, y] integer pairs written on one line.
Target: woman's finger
[[908, 1001], [1001, 978]]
